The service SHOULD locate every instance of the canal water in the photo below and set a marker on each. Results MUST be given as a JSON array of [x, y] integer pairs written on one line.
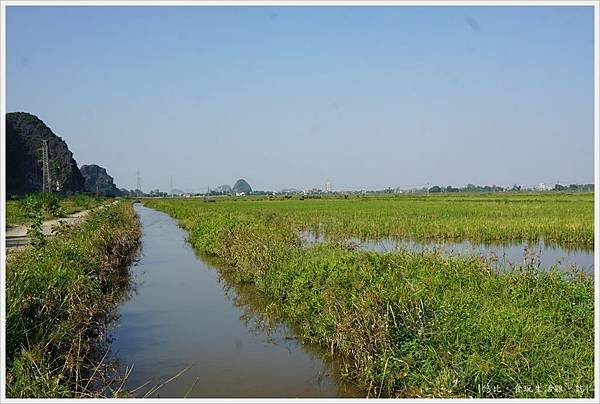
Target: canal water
[[500, 256], [183, 316]]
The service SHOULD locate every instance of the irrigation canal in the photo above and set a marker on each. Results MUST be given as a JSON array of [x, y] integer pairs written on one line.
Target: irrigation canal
[[183, 318], [183, 315]]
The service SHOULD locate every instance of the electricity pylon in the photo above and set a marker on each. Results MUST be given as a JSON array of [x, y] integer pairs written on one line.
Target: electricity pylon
[[46, 181]]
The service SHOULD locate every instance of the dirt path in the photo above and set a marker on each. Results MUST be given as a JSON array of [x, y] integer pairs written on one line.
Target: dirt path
[[17, 236]]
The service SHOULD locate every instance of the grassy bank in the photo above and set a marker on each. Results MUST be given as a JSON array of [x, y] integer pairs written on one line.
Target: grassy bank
[[405, 324], [58, 300], [17, 211]]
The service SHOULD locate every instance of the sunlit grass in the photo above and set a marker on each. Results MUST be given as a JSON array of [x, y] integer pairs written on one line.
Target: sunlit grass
[[565, 219], [416, 324], [58, 299], [16, 212]]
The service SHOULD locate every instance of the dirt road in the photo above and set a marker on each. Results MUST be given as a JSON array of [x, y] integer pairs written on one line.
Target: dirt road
[[17, 236]]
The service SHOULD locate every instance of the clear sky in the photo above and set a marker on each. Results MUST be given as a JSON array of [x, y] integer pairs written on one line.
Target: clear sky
[[297, 96]]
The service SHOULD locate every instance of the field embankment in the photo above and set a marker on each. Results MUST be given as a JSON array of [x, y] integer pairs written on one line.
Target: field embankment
[[59, 298], [414, 324]]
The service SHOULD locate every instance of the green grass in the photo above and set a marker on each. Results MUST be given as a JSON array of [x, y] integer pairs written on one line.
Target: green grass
[[560, 218], [58, 300], [416, 324], [16, 212]]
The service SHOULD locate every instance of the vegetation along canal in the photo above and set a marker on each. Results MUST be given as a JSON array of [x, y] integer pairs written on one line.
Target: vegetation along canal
[[183, 316]]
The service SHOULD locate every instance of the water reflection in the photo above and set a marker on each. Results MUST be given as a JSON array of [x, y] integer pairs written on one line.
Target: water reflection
[[263, 317], [179, 318], [501, 255]]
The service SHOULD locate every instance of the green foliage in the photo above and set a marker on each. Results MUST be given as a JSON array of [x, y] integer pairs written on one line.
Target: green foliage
[[43, 202], [416, 324], [34, 207], [563, 219], [83, 201], [58, 298], [51, 205], [34, 232]]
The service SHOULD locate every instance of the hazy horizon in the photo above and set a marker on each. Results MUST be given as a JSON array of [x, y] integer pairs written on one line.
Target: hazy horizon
[[294, 97]]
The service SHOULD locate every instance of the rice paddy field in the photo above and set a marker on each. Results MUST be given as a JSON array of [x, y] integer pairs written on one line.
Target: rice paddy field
[[409, 324], [565, 219]]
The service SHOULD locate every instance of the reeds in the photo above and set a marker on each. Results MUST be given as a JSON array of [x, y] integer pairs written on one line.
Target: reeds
[[59, 298]]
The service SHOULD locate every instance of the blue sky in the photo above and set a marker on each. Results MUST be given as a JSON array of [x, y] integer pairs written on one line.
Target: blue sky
[[297, 96]]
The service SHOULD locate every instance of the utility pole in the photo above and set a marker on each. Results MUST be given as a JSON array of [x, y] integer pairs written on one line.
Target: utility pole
[[46, 181], [139, 180], [171, 185]]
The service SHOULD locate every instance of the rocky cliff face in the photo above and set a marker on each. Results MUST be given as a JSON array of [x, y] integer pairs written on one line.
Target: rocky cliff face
[[241, 186], [98, 182], [25, 134]]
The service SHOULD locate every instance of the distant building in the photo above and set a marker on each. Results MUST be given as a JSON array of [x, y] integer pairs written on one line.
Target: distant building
[[543, 187]]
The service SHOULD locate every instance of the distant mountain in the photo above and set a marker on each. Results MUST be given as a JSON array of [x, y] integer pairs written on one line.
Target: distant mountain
[[98, 182], [241, 186], [25, 134], [223, 189]]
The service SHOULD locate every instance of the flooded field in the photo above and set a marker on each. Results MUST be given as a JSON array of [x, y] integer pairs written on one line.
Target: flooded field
[[183, 317], [501, 256], [388, 315]]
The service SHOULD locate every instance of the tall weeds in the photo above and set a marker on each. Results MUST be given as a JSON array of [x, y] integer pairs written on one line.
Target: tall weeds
[[59, 298]]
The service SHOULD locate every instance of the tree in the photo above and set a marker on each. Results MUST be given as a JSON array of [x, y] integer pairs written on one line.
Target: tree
[[559, 187]]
